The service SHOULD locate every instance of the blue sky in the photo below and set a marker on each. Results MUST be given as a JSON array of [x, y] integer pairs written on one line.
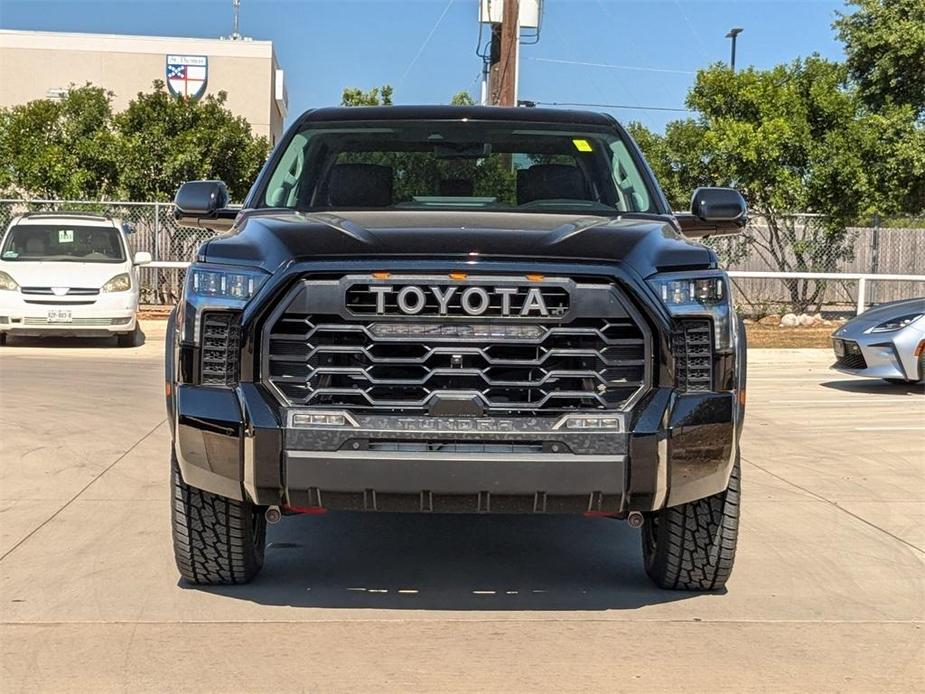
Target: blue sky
[[325, 46]]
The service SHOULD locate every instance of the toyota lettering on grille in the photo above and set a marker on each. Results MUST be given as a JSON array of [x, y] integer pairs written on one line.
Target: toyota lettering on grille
[[458, 301]]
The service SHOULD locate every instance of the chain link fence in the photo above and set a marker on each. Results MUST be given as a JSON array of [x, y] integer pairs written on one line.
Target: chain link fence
[[796, 243], [801, 243]]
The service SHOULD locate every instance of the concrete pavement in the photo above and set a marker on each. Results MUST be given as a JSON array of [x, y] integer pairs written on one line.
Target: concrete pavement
[[828, 591]]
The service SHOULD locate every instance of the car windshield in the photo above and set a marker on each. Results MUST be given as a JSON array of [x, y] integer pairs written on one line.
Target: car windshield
[[61, 242], [469, 165]]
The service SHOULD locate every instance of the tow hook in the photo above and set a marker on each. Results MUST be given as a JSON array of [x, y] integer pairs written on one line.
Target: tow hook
[[273, 515], [635, 519]]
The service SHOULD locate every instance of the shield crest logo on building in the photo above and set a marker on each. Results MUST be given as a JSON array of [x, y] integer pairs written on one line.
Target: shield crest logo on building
[[187, 75]]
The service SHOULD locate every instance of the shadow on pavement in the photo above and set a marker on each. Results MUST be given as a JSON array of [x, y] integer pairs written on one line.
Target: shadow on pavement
[[55, 342], [407, 561], [873, 386]]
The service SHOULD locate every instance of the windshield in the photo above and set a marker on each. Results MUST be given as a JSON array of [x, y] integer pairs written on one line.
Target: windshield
[[469, 165], [60, 242]]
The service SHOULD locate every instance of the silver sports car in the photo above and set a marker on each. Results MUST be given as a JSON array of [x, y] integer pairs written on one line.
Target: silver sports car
[[885, 342]]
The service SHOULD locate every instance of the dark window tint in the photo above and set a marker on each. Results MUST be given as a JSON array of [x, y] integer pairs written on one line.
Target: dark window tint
[[61, 242], [475, 165]]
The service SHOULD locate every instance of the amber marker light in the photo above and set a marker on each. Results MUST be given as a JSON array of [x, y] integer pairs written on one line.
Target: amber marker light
[[382, 275], [536, 278], [920, 349], [458, 275]]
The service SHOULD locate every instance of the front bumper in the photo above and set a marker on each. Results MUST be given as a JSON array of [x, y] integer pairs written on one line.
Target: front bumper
[[672, 448], [99, 315], [876, 357]]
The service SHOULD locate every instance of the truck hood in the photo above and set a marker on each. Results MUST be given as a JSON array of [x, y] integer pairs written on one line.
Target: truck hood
[[51, 274], [269, 238]]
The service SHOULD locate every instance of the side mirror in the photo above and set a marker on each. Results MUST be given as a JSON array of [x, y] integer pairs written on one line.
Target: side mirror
[[204, 204], [142, 258], [714, 211]]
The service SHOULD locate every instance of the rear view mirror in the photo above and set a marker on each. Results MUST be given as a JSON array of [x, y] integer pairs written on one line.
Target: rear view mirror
[[204, 204], [142, 258], [714, 211], [462, 150]]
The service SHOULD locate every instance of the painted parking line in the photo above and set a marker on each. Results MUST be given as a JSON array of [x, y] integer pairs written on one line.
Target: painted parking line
[[922, 428], [860, 400]]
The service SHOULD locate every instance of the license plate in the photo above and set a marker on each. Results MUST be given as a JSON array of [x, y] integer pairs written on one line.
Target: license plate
[[839, 348], [59, 316]]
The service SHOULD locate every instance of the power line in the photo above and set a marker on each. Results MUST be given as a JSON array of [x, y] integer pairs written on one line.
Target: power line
[[417, 55], [623, 106], [612, 67]]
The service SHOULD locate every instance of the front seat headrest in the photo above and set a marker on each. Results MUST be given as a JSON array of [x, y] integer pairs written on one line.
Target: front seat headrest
[[360, 185]]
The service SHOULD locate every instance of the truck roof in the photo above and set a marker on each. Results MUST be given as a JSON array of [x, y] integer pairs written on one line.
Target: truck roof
[[489, 113]]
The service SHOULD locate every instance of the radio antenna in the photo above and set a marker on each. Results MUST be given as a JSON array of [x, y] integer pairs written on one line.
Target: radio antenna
[[236, 10]]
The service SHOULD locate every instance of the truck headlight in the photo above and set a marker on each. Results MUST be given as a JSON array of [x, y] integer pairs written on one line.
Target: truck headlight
[[895, 323], [216, 288], [7, 282], [119, 283], [699, 294]]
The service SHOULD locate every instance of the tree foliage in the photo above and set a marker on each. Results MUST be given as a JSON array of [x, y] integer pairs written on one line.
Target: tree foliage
[[59, 148], [462, 98], [377, 96], [165, 140], [885, 44], [794, 138], [76, 148]]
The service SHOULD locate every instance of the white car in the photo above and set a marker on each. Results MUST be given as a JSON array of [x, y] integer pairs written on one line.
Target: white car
[[69, 274]]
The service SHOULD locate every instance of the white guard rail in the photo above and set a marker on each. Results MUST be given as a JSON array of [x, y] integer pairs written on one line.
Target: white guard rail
[[861, 278]]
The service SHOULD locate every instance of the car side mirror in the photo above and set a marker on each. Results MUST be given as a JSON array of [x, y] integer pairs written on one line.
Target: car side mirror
[[204, 204], [142, 258], [714, 211]]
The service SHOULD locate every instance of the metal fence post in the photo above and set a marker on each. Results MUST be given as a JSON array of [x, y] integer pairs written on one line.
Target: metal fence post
[[875, 255], [862, 288], [157, 231]]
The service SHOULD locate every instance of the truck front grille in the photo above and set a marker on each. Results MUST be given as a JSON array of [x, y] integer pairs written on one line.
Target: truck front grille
[[499, 365]]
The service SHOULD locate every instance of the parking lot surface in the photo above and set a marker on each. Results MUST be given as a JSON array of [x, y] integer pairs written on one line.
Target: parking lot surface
[[828, 591]]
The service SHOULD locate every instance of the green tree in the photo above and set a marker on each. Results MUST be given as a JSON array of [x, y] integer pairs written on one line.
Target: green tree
[[677, 158], [377, 96], [794, 138], [165, 140], [462, 98], [885, 45], [59, 149]]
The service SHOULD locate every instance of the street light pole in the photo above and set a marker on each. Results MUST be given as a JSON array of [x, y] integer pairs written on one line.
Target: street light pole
[[735, 31]]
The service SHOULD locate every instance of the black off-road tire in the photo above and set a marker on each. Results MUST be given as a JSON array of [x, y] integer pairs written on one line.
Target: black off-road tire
[[693, 546], [216, 540], [2, 339]]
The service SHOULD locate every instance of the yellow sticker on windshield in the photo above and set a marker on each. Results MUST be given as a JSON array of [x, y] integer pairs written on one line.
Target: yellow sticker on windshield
[[582, 145]]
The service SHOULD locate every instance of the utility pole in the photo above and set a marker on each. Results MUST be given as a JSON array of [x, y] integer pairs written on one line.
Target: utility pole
[[507, 63], [735, 31]]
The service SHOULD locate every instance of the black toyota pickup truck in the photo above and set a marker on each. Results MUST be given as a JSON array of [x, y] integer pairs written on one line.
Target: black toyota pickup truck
[[456, 310]]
